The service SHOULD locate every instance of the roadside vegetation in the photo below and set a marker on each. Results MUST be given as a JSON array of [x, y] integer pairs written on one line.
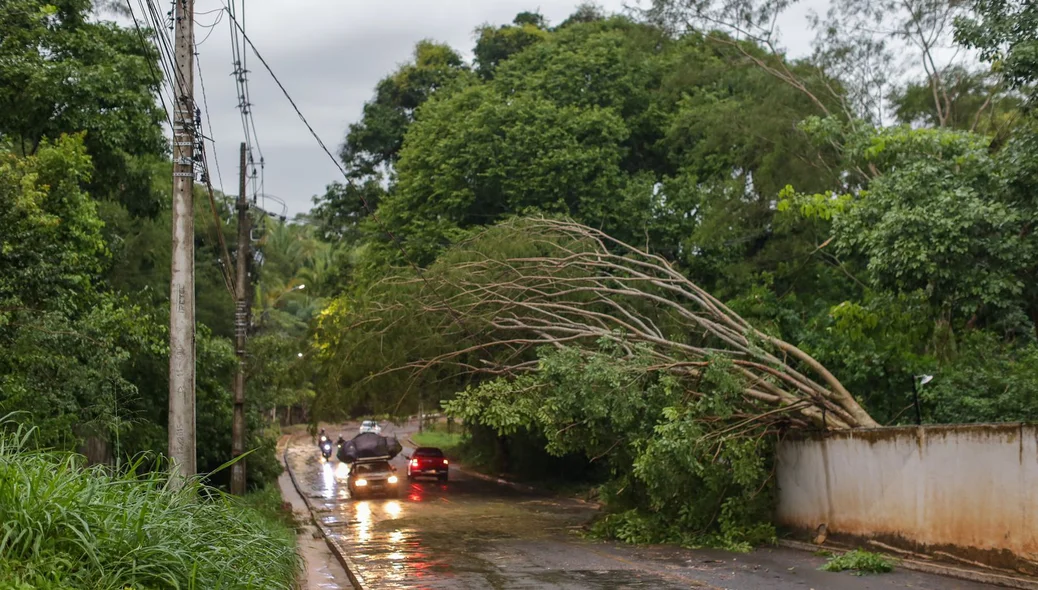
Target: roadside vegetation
[[85, 181], [860, 563], [66, 525], [436, 435]]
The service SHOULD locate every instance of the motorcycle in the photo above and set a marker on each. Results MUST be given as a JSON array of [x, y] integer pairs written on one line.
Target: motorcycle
[[326, 448]]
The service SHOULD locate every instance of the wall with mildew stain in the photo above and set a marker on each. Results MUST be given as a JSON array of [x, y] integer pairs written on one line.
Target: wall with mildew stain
[[968, 492]]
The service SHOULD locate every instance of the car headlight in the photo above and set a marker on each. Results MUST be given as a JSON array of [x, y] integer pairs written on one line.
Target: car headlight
[[392, 479], [361, 482]]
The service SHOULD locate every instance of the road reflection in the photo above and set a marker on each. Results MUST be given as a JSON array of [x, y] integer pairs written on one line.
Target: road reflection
[[363, 513], [435, 535]]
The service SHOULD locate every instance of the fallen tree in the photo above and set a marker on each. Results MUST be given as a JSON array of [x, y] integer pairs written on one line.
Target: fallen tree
[[548, 330], [567, 284]]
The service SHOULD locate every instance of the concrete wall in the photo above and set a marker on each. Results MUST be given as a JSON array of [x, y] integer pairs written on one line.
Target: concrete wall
[[969, 490]]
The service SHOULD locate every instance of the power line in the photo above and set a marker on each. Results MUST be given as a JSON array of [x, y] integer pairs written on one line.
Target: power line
[[211, 28], [256, 179], [151, 67], [165, 81], [240, 79], [173, 76], [209, 122], [349, 181]]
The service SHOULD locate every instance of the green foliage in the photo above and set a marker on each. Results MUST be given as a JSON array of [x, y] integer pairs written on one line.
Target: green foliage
[[268, 502], [675, 475], [437, 438], [861, 562], [349, 361], [937, 220], [876, 344], [46, 44], [1006, 34], [504, 154], [976, 102], [606, 120], [68, 526], [52, 240], [495, 45], [341, 209], [375, 141], [64, 344], [987, 381]]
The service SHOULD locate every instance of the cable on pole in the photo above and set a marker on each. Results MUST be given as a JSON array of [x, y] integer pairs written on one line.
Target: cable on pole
[[349, 181], [172, 76]]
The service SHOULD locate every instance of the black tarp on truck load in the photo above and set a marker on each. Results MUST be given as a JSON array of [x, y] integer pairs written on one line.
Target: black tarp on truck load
[[369, 445]]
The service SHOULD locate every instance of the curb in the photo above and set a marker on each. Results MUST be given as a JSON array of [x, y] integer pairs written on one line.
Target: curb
[[947, 571], [344, 560]]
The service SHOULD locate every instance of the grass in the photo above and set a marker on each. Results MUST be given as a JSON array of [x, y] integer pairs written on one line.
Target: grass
[[270, 504], [65, 525], [436, 438], [434, 434], [860, 562]]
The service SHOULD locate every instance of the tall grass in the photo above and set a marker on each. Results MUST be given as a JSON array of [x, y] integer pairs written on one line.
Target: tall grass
[[64, 525], [431, 438]]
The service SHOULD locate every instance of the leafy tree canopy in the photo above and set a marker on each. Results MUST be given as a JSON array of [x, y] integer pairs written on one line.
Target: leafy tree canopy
[[63, 71]]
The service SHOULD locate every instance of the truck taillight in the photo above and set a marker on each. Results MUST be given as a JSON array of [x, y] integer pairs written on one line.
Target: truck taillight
[[414, 462], [444, 461]]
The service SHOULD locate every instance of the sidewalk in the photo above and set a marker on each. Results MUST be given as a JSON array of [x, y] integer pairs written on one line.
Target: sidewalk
[[323, 569]]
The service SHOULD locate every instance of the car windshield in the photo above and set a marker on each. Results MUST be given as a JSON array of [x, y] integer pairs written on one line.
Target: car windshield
[[428, 452], [368, 423], [376, 467]]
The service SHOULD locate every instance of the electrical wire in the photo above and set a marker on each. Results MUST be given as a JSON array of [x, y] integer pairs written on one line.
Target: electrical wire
[[349, 181], [167, 62], [211, 28], [256, 180], [209, 122], [151, 67]]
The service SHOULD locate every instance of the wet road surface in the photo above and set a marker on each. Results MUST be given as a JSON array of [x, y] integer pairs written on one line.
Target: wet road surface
[[323, 571], [473, 534]]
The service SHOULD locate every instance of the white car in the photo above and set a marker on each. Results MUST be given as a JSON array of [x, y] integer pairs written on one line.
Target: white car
[[370, 426]]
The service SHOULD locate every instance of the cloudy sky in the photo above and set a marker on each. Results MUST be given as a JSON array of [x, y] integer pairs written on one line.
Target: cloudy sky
[[329, 54]]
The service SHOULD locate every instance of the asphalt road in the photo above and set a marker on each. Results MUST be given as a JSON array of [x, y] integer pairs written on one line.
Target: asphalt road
[[473, 534]]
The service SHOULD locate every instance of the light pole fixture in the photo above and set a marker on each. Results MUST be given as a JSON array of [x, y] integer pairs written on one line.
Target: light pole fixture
[[918, 382]]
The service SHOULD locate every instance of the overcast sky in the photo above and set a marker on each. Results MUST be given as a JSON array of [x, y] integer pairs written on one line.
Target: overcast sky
[[329, 54]]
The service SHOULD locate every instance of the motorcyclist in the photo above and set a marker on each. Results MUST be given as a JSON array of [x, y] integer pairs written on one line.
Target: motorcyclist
[[321, 437]]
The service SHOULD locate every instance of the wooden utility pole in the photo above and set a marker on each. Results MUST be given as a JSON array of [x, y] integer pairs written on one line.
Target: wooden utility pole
[[241, 326], [181, 426]]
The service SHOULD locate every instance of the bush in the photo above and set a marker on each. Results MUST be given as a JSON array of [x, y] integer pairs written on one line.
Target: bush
[[681, 468], [862, 562], [64, 525]]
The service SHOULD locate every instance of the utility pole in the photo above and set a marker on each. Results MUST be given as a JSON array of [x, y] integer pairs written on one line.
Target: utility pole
[[241, 326], [181, 426]]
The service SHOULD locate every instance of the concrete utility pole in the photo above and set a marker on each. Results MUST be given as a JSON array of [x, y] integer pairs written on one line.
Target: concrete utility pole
[[182, 281], [241, 326]]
